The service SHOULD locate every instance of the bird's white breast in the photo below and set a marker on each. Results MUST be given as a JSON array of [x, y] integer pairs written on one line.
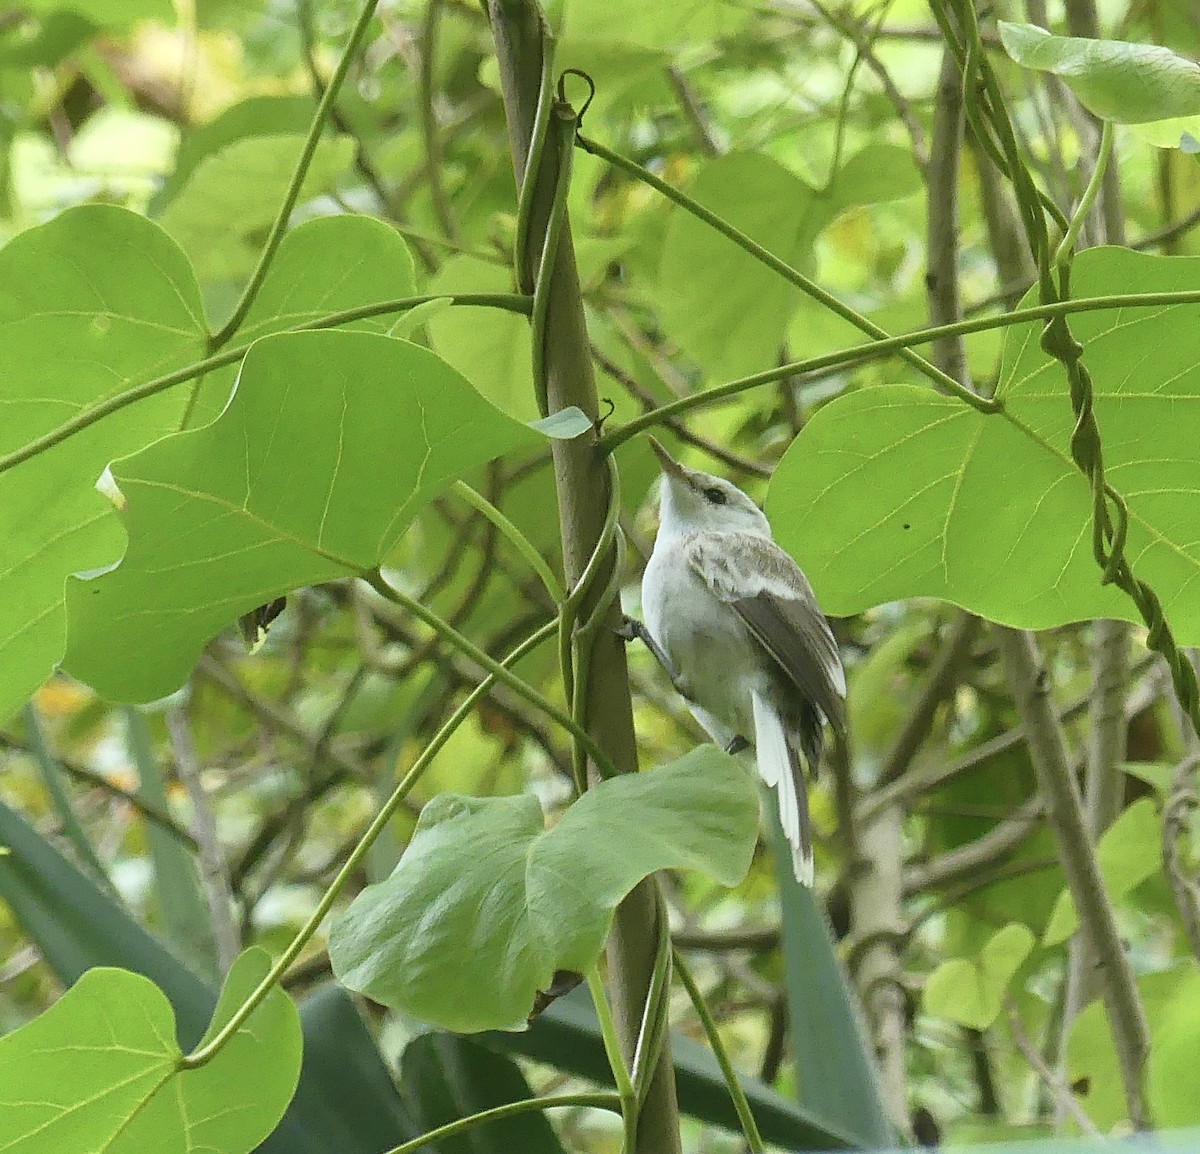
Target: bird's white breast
[[708, 644]]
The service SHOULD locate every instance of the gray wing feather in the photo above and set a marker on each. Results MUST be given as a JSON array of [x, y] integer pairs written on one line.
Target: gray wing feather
[[768, 591]]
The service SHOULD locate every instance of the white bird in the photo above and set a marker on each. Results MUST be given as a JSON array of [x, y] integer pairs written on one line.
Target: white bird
[[734, 622]]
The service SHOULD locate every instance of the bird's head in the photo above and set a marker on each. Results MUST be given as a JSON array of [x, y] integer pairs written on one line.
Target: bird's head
[[695, 502]]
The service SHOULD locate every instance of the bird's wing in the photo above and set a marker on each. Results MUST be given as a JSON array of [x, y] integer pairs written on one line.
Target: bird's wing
[[767, 590]]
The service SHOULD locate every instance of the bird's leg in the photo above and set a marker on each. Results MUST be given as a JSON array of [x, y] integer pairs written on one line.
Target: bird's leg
[[736, 744], [632, 629]]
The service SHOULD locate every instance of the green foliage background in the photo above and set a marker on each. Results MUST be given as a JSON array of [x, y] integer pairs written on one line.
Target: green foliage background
[[167, 767]]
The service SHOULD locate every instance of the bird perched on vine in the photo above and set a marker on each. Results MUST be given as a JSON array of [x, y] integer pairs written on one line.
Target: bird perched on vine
[[735, 623]]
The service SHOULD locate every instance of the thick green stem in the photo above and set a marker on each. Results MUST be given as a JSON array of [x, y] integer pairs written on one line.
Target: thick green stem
[[584, 490]]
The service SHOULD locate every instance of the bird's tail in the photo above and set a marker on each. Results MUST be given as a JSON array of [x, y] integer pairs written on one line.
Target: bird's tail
[[780, 767]]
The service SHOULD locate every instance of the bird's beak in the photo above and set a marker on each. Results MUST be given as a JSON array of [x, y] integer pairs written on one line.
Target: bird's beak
[[670, 466]]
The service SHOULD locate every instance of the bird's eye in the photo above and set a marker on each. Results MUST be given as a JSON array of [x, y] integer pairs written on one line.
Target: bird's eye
[[715, 495]]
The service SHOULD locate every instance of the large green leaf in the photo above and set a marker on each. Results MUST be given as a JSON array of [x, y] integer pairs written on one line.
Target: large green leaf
[[255, 116], [485, 883], [898, 491], [723, 307], [221, 215], [567, 1037], [1170, 1080], [837, 1082], [100, 1070], [76, 926], [329, 445], [1125, 83], [91, 303]]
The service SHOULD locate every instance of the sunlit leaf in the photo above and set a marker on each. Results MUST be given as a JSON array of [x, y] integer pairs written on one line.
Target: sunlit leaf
[[1125, 83], [93, 302], [483, 882], [899, 491], [327, 449], [100, 1070], [725, 308], [221, 215]]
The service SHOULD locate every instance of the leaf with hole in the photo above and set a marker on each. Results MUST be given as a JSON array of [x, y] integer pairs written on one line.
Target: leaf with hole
[[483, 882], [1122, 82], [328, 447], [898, 491], [101, 1070]]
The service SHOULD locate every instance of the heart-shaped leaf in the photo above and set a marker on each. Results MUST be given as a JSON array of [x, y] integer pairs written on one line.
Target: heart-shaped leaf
[[971, 991], [101, 1071], [328, 447], [486, 903], [898, 491]]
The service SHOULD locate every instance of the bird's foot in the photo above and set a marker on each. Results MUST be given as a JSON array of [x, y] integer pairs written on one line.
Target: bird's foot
[[737, 743], [632, 629]]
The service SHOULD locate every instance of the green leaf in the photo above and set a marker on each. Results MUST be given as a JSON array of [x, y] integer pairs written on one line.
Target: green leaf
[[1170, 1070], [1129, 852], [897, 491], [1121, 82], [107, 1051], [971, 991], [567, 1037], [76, 926], [837, 1080], [874, 175], [92, 303], [485, 883], [327, 449], [444, 1078], [324, 266], [489, 347], [253, 117], [1092, 1061], [221, 216], [722, 306]]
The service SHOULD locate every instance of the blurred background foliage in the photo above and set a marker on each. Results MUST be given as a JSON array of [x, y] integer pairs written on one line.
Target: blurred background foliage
[[809, 127]]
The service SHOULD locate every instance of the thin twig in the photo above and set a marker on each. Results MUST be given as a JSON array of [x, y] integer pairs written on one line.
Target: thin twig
[[1052, 1080]]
